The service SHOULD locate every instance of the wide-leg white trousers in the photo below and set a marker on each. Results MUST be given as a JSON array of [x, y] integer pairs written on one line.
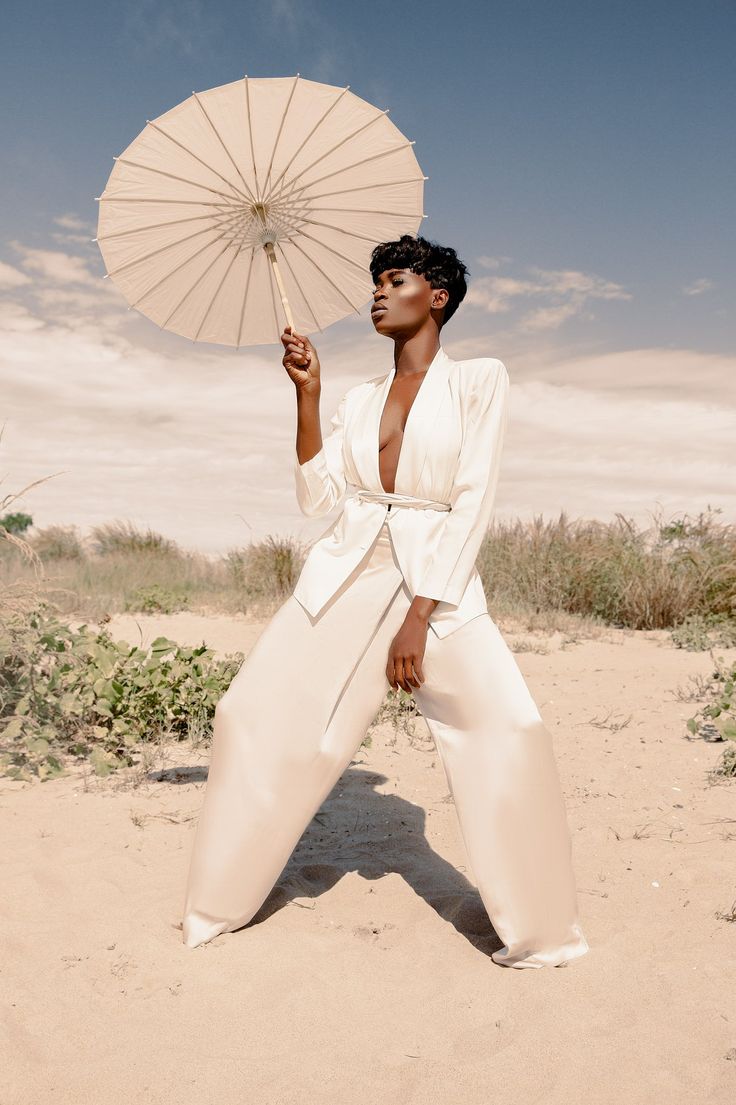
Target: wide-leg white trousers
[[297, 711]]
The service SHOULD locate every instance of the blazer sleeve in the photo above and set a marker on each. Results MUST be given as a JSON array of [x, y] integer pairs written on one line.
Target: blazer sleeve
[[320, 481], [474, 489]]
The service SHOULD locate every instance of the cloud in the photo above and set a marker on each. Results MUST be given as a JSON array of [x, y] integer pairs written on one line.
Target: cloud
[[197, 441], [492, 262], [70, 239], [566, 293], [55, 266], [188, 27], [698, 286], [72, 222], [617, 450], [11, 277]]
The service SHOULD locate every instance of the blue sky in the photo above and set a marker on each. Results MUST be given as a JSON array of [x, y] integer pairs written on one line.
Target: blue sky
[[581, 160]]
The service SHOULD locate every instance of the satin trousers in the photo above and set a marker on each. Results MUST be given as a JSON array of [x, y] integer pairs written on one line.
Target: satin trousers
[[294, 716]]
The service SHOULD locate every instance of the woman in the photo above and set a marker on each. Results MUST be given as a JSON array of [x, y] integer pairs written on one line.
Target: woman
[[420, 448]]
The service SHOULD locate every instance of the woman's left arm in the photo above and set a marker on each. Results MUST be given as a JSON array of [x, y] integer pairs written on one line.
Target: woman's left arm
[[474, 489]]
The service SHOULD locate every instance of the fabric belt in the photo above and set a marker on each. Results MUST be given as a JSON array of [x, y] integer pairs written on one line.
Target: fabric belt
[[394, 499]]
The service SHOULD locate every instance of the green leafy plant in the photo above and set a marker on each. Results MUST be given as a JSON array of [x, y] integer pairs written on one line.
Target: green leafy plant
[[157, 600], [716, 721], [78, 693]]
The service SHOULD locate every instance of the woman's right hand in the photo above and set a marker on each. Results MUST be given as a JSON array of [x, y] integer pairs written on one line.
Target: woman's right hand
[[300, 360]]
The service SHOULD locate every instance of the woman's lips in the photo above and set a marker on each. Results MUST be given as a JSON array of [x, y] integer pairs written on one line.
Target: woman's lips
[[378, 311]]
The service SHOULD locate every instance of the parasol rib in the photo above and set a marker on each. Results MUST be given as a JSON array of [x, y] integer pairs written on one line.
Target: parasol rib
[[281, 127], [161, 249], [245, 295], [217, 292], [337, 253], [327, 278], [181, 179], [248, 188], [299, 149], [339, 229], [191, 153], [347, 138], [199, 279], [354, 165], [366, 187], [364, 211], [159, 199], [170, 273], [159, 226], [250, 135]]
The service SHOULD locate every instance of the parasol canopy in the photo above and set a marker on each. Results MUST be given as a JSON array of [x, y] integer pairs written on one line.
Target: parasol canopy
[[255, 205]]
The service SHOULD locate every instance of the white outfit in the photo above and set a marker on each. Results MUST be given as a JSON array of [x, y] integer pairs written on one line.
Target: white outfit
[[300, 705]]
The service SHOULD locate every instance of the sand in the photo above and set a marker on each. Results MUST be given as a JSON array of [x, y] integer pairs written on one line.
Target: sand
[[367, 977]]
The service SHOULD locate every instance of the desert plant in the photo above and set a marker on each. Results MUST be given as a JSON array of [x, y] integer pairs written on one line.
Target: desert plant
[[17, 522], [716, 720], [268, 569], [157, 600], [124, 536], [78, 693], [699, 632], [57, 543]]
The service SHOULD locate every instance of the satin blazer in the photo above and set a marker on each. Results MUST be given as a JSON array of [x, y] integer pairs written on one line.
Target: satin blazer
[[445, 487]]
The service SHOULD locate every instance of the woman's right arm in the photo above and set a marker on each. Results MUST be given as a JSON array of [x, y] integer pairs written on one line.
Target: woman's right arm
[[318, 471], [302, 364]]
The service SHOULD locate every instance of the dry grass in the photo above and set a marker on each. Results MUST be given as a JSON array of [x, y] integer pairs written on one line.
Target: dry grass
[[653, 578], [569, 576]]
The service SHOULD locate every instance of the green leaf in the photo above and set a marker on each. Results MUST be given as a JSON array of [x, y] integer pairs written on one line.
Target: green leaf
[[100, 762], [13, 729]]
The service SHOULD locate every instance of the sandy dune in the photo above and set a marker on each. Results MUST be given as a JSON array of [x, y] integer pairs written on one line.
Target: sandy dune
[[366, 977]]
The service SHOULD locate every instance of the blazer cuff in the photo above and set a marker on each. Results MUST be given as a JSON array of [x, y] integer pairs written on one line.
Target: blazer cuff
[[312, 480]]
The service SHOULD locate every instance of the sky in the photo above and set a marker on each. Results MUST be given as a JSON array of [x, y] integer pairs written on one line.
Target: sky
[[580, 158]]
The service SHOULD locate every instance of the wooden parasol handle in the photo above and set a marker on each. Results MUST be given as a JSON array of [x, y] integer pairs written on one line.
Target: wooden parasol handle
[[282, 291]]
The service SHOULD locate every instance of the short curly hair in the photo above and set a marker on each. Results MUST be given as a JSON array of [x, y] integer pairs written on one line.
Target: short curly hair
[[440, 265]]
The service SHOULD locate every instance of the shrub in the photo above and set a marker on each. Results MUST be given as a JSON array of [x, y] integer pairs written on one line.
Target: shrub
[[266, 570], [716, 721], [58, 543], [77, 692], [125, 537]]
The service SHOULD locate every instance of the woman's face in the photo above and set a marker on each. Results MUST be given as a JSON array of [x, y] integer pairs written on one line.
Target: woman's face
[[407, 300]]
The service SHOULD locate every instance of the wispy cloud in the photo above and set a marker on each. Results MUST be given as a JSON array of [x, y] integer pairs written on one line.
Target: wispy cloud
[[71, 221], [11, 277], [53, 265], [191, 440], [559, 293], [75, 231], [487, 262], [698, 286], [189, 27]]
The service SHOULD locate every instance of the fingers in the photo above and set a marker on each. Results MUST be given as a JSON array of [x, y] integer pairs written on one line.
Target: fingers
[[402, 671], [296, 349], [290, 335]]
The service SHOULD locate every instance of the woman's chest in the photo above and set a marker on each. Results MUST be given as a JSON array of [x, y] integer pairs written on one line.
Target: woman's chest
[[421, 433]]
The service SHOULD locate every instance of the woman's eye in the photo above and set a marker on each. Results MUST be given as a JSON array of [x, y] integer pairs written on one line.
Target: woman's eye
[[397, 280]]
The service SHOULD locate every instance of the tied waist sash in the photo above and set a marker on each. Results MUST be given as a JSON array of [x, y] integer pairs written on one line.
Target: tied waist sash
[[393, 498]]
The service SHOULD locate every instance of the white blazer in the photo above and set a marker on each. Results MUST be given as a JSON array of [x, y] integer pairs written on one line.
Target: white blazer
[[445, 487]]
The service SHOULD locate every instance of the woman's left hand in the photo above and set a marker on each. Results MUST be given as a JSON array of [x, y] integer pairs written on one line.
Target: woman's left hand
[[406, 654]]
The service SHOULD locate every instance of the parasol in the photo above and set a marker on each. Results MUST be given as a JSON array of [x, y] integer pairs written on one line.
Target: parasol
[[256, 205]]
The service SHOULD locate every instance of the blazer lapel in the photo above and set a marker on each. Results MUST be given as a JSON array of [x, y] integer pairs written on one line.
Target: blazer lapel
[[417, 432]]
